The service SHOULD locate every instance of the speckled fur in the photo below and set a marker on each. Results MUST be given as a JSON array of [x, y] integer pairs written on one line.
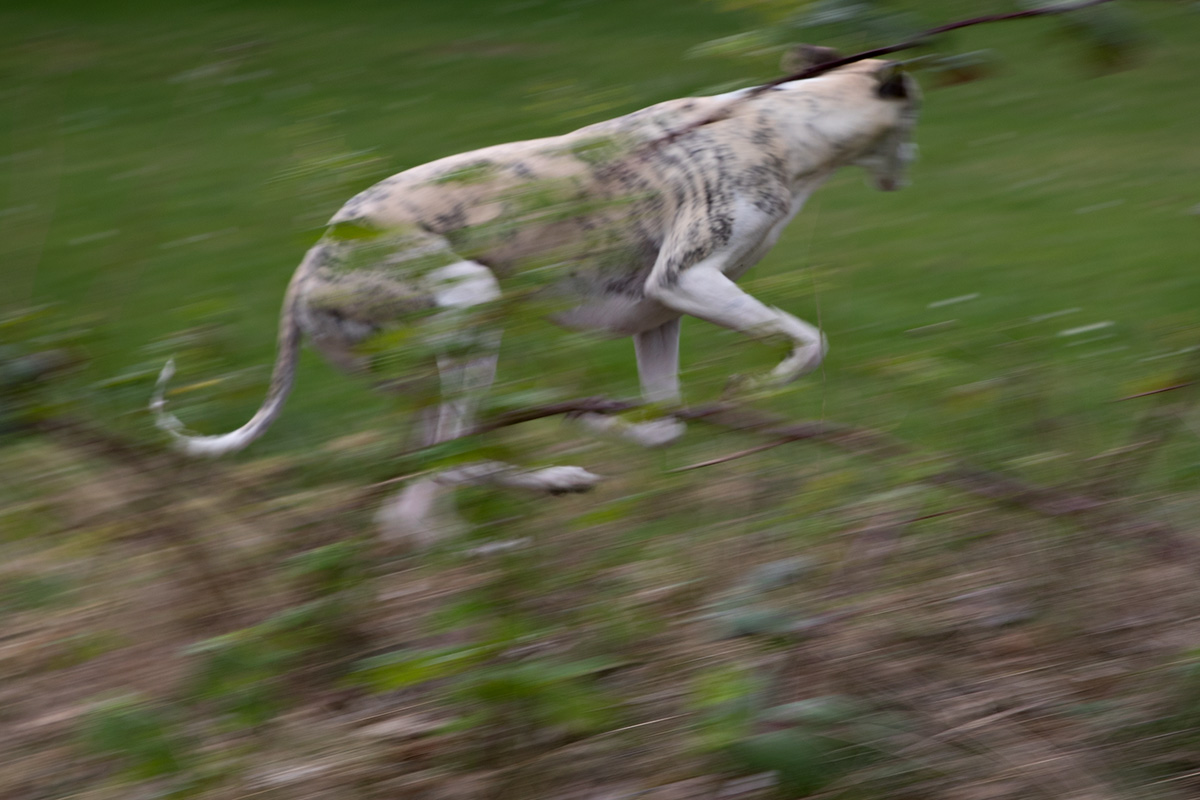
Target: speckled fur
[[610, 224]]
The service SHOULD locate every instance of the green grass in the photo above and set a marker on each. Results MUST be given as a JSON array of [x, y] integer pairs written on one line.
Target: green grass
[[162, 169], [163, 164]]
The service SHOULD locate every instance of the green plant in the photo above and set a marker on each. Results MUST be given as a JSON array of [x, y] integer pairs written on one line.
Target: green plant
[[239, 675], [725, 700], [144, 737], [502, 698], [31, 592], [506, 682], [809, 745], [244, 674]]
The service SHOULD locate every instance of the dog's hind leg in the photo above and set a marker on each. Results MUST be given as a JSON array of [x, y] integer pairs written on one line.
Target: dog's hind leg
[[419, 514]]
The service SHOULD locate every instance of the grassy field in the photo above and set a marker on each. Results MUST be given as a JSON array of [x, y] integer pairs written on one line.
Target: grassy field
[[166, 166], [163, 170]]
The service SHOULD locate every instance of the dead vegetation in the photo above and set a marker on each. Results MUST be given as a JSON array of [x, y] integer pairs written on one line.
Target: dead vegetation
[[783, 609], [229, 632]]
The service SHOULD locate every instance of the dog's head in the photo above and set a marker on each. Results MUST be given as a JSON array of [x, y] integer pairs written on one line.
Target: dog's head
[[893, 93], [889, 155]]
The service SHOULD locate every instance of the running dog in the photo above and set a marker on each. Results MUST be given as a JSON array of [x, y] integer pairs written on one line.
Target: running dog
[[628, 224]]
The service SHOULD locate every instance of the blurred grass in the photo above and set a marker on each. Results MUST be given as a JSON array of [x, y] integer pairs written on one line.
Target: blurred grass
[[166, 167], [163, 168]]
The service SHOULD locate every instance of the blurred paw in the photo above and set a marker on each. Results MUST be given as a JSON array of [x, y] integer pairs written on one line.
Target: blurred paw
[[557, 480], [418, 517], [655, 433]]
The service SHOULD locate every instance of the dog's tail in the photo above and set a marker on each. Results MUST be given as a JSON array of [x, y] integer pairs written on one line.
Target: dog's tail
[[282, 378]]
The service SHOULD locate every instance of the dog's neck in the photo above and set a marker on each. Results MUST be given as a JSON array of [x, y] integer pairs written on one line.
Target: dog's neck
[[826, 129]]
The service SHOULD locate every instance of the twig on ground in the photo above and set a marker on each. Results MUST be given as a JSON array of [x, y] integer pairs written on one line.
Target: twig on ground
[[1153, 392], [730, 457]]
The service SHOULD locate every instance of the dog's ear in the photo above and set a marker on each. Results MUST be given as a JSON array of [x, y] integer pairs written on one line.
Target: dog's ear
[[892, 83], [806, 56]]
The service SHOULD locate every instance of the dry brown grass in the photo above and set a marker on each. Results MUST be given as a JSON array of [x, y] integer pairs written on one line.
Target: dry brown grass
[[1016, 654]]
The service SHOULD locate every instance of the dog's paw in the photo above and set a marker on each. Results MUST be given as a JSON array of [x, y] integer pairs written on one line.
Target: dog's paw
[[417, 517], [555, 480], [559, 480], [655, 433]]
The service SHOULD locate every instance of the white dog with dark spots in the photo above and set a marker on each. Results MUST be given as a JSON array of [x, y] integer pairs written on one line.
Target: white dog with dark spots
[[627, 225]]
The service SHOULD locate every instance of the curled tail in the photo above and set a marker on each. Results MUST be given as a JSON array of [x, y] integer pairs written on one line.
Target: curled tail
[[282, 378]]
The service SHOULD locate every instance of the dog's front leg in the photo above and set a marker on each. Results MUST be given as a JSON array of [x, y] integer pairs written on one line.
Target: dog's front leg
[[704, 291]]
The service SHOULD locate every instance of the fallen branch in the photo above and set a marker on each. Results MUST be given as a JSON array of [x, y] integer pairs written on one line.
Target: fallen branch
[[826, 66], [991, 485], [923, 37], [861, 441], [586, 405], [1097, 501], [1163, 390]]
